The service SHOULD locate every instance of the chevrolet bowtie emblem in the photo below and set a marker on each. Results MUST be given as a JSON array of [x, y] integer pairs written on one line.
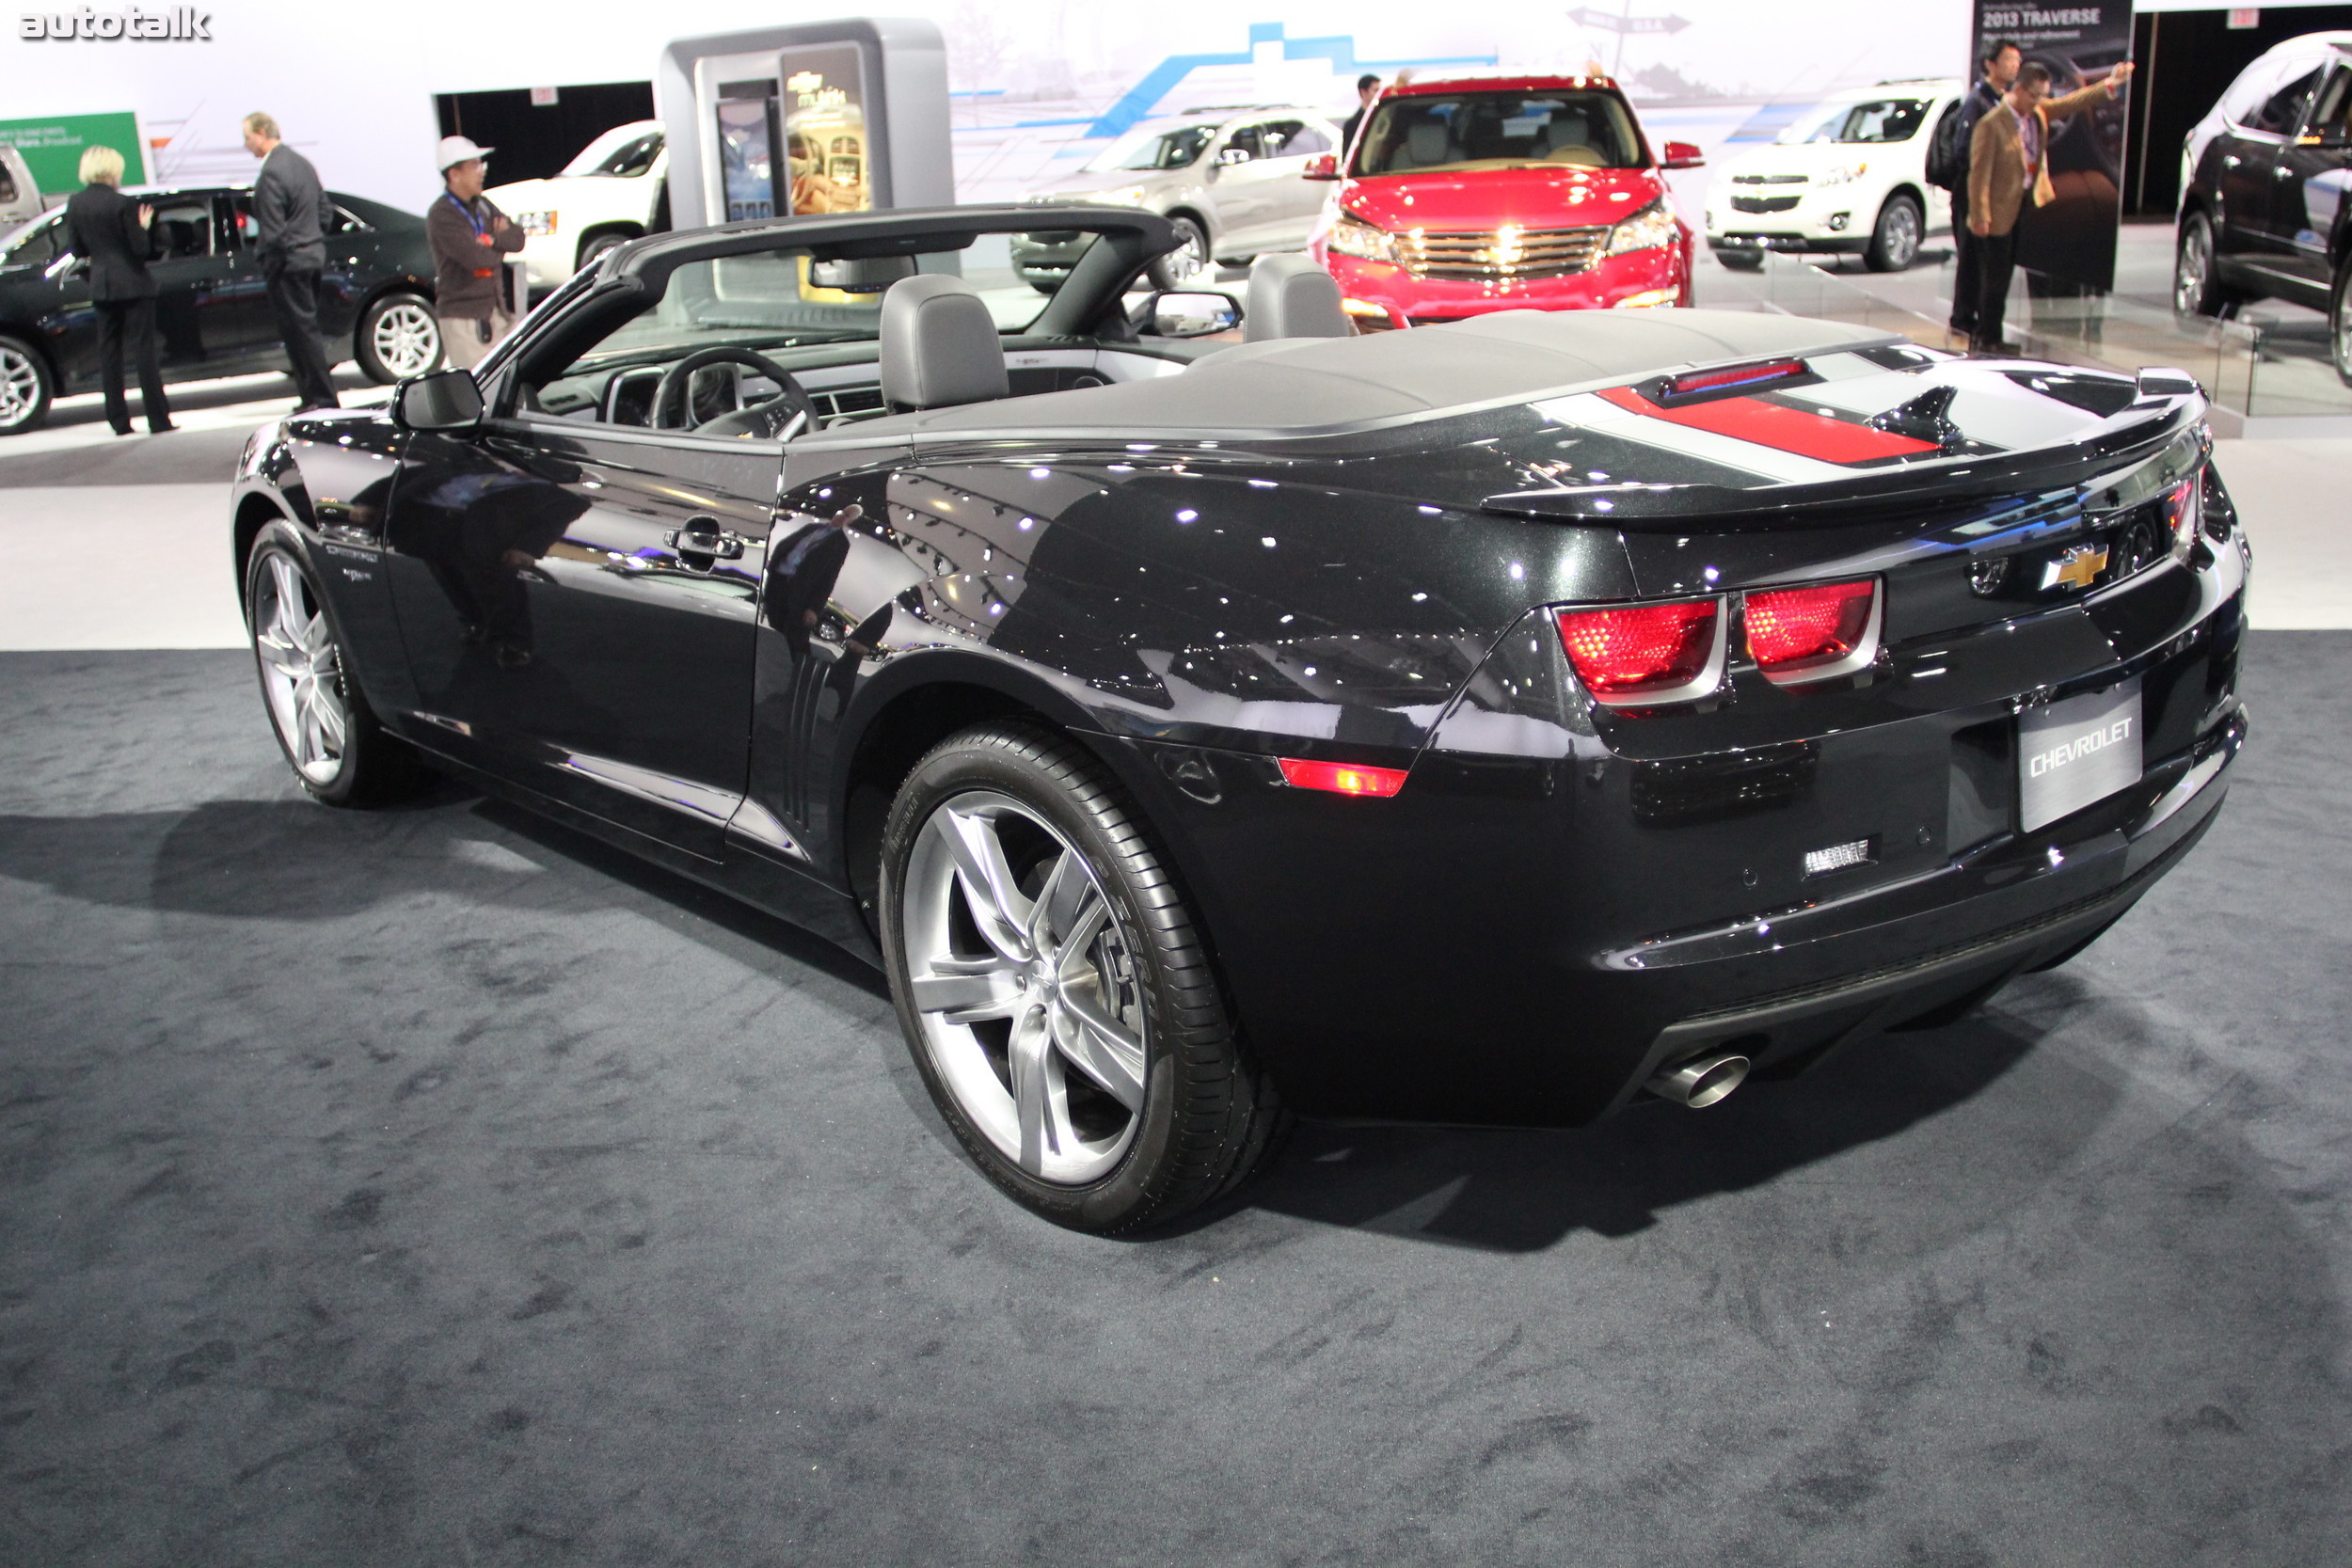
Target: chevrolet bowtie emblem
[[2077, 568]]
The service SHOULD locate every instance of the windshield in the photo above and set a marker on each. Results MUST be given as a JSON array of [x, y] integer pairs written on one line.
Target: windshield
[[624, 152], [1881, 120], [1149, 150], [1500, 130]]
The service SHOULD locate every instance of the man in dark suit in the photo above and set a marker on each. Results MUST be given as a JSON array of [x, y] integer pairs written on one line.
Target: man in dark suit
[[114, 235], [290, 219]]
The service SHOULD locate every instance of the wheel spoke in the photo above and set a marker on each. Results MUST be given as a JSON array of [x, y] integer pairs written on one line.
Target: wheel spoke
[[1073, 966], [1100, 1048], [288, 584], [1034, 1093], [998, 907], [312, 747], [280, 653], [327, 711], [965, 990], [1059, 902]]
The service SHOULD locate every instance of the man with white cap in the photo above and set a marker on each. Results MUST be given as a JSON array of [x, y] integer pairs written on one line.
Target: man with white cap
[[469, 234]]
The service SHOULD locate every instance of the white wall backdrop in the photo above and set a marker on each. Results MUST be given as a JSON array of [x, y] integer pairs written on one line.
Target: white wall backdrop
[[354, 86]]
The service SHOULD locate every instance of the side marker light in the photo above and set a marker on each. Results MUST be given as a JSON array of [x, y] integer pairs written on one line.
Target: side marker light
[[1341, 778]]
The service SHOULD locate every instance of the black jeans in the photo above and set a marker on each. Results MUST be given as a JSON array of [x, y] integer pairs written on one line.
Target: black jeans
[[1964, 266], [1996, 260], [294, 297], [134, 319]]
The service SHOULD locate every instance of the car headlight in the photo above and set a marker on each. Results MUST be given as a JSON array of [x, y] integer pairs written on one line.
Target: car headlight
[[536, 223], [1126, 195], [1647, 229], [1352, 236], [1841, 174]]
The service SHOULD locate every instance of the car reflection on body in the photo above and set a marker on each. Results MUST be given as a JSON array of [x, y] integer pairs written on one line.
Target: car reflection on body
[[1505, 722]]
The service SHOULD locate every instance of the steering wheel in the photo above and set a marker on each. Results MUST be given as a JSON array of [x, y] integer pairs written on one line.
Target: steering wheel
[[763, 420]]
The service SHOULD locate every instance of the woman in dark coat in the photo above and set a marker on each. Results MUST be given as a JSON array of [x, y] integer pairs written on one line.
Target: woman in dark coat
[[114, 235]]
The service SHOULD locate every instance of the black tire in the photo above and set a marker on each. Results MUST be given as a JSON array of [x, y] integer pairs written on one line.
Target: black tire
[[26, 386], [2340, 323], [1741, 261], [2196, 289], [1895, 237], [370, 765], [1189, 265], [596, 247], [398, 337], [1205, 1117]]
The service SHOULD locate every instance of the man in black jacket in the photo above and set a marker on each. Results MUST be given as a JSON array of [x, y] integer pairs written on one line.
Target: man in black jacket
[[290, 218], [2000, 66], [114, 235]]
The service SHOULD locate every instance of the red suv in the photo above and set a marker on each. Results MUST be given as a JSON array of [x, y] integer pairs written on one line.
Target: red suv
[[1499, 194]]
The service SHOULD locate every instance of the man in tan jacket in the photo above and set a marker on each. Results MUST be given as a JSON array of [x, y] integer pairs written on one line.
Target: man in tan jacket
[[2008, 157]]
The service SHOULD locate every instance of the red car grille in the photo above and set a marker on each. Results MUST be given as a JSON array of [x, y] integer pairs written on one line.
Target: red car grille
[[1502, 255]]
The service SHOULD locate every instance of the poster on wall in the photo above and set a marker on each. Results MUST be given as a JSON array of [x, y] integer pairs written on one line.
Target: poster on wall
[[2072, 240], [52, 147], [824, 127]]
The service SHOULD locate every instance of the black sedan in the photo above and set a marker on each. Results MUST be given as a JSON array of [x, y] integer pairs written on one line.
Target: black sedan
[[212, 308], [1499, 722]]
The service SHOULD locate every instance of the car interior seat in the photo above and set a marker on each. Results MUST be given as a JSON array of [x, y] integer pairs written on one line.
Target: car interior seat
[[1425, 144], [939, 346], [1289, 296]]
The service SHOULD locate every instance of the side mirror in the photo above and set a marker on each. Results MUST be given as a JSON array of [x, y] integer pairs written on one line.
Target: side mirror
[[445, 401], [1194, 313], [1682, 154], [1323, 166]]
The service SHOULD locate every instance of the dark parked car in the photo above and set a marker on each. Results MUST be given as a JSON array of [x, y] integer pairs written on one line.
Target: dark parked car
[[1494, 723], [212, 310], [2265, 175]]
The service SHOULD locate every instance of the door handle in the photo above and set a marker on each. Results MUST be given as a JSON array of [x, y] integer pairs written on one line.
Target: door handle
[[2281, 173], [704, 536], [2231, 160]]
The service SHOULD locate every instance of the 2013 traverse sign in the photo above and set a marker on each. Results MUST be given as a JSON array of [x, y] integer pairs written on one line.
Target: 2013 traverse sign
[[179, 23]]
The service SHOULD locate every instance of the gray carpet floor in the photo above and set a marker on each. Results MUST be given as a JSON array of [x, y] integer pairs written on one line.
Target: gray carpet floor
[[434, 1186]]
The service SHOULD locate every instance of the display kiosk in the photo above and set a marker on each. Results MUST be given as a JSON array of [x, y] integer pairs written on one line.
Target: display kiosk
[[828, 116]]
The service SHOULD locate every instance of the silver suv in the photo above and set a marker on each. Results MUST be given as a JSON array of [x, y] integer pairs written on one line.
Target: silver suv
[[1233, 180]]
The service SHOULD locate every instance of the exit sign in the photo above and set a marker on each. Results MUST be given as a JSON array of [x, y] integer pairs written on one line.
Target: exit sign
[[2246, 16]]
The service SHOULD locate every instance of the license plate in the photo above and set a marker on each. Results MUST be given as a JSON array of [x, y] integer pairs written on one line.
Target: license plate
[[2077, 752]]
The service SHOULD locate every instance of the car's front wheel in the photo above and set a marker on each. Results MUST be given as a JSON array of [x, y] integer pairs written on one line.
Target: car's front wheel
[[601, 246], [2340, 323], [1895, 238], [25, 386], [339, 751], [399, 337], [1055, 987], [1190, 262], [2196, 289]]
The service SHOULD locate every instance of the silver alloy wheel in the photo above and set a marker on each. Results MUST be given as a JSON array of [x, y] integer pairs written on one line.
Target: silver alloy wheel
[[406, 339], [302, 671], [20, 387], [1190, 262], [1025, 986], [2190, 271], [1899, 235], [2342, 335]]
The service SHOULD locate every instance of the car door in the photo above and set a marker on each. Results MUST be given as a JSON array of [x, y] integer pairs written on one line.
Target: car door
[[195, 304], [2308, 185], [247, 324], [1295, 201], [1240, 191], [2249, 167]]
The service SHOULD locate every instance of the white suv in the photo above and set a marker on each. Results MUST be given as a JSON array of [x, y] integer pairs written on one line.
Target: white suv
[[1847, 175], [617, 189]]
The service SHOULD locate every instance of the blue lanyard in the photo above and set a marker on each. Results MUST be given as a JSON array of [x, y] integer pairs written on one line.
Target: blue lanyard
[[480, 227]]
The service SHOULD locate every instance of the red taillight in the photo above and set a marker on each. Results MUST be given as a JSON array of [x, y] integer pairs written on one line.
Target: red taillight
[[1650, 650], [1342, 778], [1739, 375], [1811, 630]]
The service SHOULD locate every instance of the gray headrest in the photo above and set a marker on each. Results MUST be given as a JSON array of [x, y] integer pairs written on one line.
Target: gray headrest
[[1292, 298], [1425, 143], [939, 344]]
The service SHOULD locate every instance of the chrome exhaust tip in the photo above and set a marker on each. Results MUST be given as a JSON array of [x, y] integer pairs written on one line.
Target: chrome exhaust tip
[[1701, 1080]]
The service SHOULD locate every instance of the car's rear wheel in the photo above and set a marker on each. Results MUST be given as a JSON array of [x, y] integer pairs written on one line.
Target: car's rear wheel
[[2340, 323], [339, 751], [598, 246], [399, 337], [1190, 262], [1055, 990], [25, 386], [1895, 238], [2197, 291]]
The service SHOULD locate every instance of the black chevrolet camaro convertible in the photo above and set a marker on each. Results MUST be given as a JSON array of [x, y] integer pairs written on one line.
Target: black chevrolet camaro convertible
[[1498, 722]]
